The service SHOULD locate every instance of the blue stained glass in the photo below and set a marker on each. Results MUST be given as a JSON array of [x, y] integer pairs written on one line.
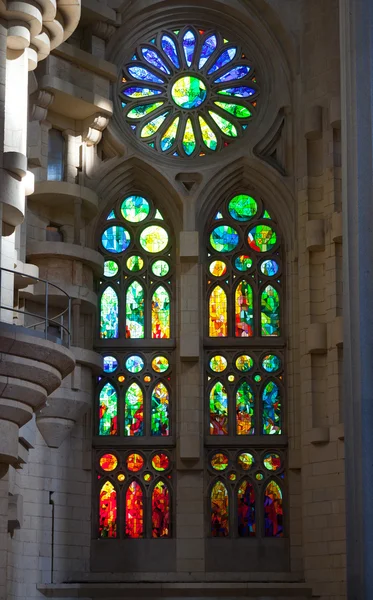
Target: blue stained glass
[[208, 48], [152, 57], [269, 268], [140, 92], [225, 58], [143, 74], [116, 239], [224, 238], [189, 43], [169, 47], [240, 91], [235, 73], [111, 216], [271, 409], [110, 364]]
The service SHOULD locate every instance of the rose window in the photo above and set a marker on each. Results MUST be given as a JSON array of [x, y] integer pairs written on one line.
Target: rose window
[[188, 92]]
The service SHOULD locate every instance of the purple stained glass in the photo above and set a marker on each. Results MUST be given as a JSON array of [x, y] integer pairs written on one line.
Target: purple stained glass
[[208, 48], [169, 47], [143, 74], [140, 92], [226, 57], [153, 58], [235, 73], [240, 91], [189, 44]]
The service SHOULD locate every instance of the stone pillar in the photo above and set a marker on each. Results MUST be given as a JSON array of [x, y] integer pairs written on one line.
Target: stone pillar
[[356, 20]]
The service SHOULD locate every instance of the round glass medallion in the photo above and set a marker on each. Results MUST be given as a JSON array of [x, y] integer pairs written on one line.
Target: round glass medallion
[[220, 462], [154, 239], [189, 92], [272, 461], [242, 207], [160, 268], [243, 263], [257, 378], [110, 364], [269, 268], [160, 364], [245, 461], [262, 238], [148, 477], [121, 477], [108, 462], [110, 268], [135, 263], [271, 363], [218, 364], [160, 462], [224, 238], [244, 363], [135, 462], [134, 364], [218, 268], [233, 476], [116, 239], [135, 209], [259, 476]]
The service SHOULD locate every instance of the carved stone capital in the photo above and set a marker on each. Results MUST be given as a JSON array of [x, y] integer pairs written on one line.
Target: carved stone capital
[[39, 104], [102, 30], [93, 128]]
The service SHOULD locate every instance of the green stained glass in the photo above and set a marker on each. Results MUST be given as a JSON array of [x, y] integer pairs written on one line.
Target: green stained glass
[[271, 400], [244, 363], [208, 135], [272, 462], [135, 263], [160, 364], [160, 268], [161, 317], [158, 215], [235, 109], [169, 138], [243, 263], [262, 238], [271, 363], [244, 318], [220, 462], [108, 412], [154, 239], [266, 215], [270, 312], [110, 268], [115, 239], [109, 322], [189, 139], [246, 461], [189, 92], [135, 317], [218, 364], [152, 127], [224, 238], [160, 411], [218, 410], [245, 410], [140, 111], [134, 364], [226, 126], [243, 207], [135, 209], [134, 411]]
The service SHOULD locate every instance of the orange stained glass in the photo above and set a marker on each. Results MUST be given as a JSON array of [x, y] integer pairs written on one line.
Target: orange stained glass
[[108, 462], [135, 463], [160, 462], [134, 511], [108, 511], [218, 313], [161, 511]]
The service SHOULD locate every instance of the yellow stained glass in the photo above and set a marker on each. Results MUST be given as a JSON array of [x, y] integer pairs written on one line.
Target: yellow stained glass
[[218, 317], [189, 140]]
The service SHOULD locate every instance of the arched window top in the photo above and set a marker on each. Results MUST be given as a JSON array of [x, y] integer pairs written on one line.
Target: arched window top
[[189, 92]]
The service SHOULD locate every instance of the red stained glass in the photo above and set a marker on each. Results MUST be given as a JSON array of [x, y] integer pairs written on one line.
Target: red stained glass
[[135, 463], [219, 510], [108, 511], [161, 511], [246, 510], [134, 511], [108, 462], [160, 462]]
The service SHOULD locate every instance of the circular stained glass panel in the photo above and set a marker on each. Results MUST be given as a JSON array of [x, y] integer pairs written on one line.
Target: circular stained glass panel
[[108, 462], [135, 209], [269, 268], [245, 461], [160, 364], [224, 238], [148, 477], [220, 461], [272, 461], [154, 239], [110, 364], [189, 92], [160, 268], [135, 462], [218, 268], [218, 364], [244, 363], [110, 268], [116, 239], [243, 207], [243, 262], [135, 263], [134, 364], [259, 476], [271, 363], [262, 238], [160, 462]]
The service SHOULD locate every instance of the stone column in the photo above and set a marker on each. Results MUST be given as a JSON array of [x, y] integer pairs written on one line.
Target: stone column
[[356, 20]]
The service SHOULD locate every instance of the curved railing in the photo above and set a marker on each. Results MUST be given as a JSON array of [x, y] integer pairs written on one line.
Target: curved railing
[[51, 325]]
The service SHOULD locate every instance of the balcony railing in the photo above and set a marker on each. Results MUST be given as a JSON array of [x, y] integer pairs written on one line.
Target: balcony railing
[[51, 322]]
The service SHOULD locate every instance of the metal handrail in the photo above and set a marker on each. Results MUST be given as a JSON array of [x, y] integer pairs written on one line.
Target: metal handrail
[[46, 320]]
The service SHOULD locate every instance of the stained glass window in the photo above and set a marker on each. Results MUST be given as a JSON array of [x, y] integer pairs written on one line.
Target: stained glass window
[[135, 311], [219, 510], [188, 94], [246, 509], [161, 326], [218, 315], [161, 510], [160, 411], [134, 519], [108, 511], [134, 411], [108, 410], [273, 519], [109, 327]]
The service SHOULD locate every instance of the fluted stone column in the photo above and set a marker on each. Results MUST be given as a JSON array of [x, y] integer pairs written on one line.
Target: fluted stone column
[[356, 18]]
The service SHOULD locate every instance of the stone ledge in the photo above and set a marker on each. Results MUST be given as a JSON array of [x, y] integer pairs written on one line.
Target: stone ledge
[[85, 59], [61, 194], [65, 250]]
